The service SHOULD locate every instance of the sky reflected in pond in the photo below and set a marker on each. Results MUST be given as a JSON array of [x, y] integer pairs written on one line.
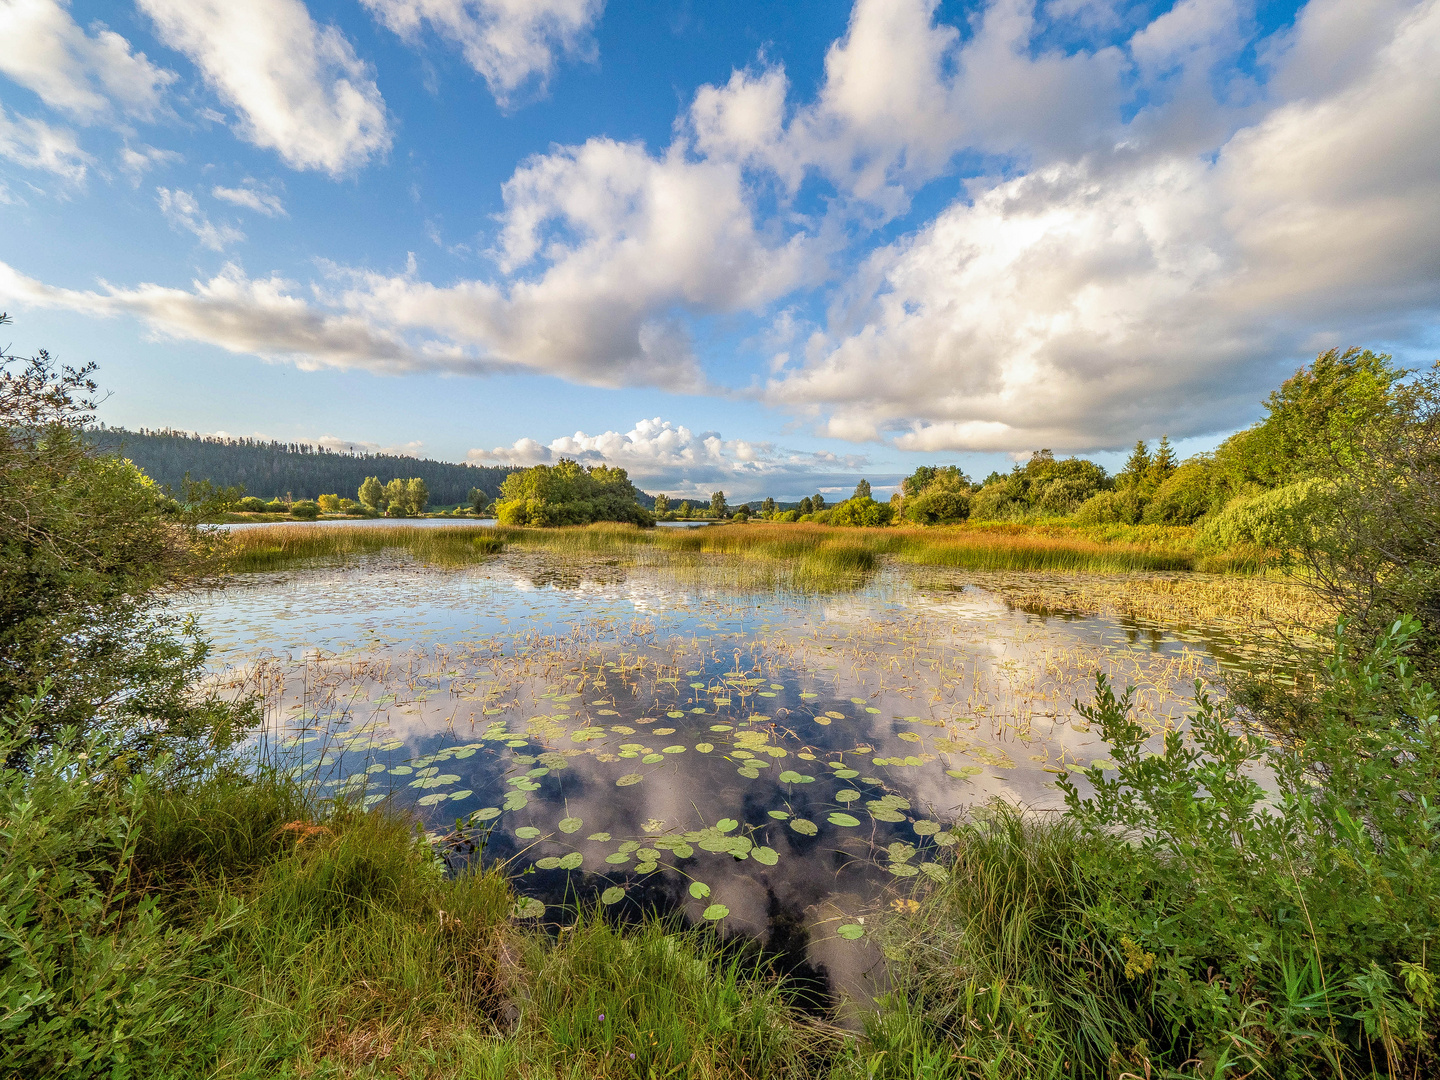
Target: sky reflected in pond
[[779, 763]]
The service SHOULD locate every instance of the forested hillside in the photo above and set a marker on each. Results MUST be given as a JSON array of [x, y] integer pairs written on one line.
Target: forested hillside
[[271, 469]]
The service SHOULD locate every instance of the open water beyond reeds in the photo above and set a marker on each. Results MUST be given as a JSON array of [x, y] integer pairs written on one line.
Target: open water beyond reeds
[[781, 764]]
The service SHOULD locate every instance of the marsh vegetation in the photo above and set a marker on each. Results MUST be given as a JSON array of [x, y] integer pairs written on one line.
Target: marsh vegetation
[[1020, 798]]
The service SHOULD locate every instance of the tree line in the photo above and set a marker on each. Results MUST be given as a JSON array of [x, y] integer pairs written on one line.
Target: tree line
[[292, 471]]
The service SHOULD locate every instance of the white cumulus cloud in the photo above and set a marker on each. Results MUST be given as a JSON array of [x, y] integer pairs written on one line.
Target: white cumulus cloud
[[82, 74], [300, 87], [510, 43], [662, 456]]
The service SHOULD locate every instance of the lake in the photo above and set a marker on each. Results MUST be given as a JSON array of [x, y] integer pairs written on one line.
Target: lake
[[780, 764]]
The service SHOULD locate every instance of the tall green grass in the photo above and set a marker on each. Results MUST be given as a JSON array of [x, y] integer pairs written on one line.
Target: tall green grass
[[806, 556]]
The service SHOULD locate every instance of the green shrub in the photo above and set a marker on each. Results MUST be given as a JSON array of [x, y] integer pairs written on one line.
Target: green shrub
[[92, 982], [305, 510], [1184, 497], [1122, 507], [1275, 520], [251, 505], [940, 507]]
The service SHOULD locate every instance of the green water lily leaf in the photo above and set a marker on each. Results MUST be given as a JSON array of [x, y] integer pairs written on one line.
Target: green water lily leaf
[[934, 871], [598, 836], [883, 814], [527, 832], [857, 701], [456, 796], [779, 815], [845, 774], [721, 727], [764, 855], [675, 714], [945, 839], [803, 827], [843, 819], [529, 908], [807, 695], [618, 858], [699, 890], [571, 861], [903, 869], [726, 824], [749, 773], [871, 710], [489, 813], [847, 795], [926, 828], [672, 750], [612, 895], [550, 862], [431, 800], [704, 747], [716, 912], [851, 931], [651, 759], [628, 779], [569, 824]]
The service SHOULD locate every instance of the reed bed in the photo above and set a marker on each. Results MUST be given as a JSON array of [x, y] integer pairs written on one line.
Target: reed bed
[[806, 556], [277, 546]]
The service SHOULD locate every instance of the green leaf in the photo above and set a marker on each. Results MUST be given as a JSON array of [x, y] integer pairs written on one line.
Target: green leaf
[[699, 890], [803, 827], [848, 795], [779, 815], [527, 832], [612, 895], [628, 779], [704, 747], [846, 820], [726, 824], [845, 774], [570, 824], [571, 861], [926, 828], [851, 931], [716, 911], [934, 871], [766, 856], [551, 862], [487, 814], [529, 908]]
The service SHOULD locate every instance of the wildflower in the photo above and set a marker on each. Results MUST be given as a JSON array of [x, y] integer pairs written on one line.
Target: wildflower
[[602, 1018]]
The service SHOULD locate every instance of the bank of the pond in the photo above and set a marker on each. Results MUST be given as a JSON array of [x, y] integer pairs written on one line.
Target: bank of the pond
[[810, 554]]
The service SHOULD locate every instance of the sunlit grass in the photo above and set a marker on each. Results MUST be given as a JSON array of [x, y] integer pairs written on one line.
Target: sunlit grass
[[277, 546]]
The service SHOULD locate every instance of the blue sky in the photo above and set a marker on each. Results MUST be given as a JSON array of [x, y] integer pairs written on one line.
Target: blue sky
[[765, 247]]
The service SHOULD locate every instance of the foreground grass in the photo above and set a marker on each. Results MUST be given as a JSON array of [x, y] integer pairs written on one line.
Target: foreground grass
[[805, 556]]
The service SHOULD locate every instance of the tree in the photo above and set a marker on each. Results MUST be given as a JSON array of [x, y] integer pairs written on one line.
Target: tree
[[685, 509], [817, 502], [397, 499], [1161, 465], [567, 493], [662, 503], [478, 500], [718, 508], [417, 495], [330, 504], [807, 505], [1136, 467], [862, 490], [87, 543], [768, 506], [372, 495]]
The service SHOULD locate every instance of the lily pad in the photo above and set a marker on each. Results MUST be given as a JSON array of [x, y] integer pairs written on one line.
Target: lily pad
[[571, 861], [569, 824], [851, 931], [629, 778], [926, 828], [527, 832], [779, 815], [699, 890], [550, 862], [843, 819], [486, 814], [803, 827], [765, 856], [726, 824], [716, 912], [704, 747], [598, 836], [529, 908], [847, 795], [612, 895]]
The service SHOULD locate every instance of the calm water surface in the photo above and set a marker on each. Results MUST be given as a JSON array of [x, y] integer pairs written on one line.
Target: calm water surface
[[782, 764]]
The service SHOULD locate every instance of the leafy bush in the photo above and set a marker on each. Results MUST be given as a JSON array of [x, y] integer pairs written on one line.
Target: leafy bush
[[859, 511], [91, 980], [1123, 507], [304, 510], [1184, 497], [570, 494], [939, 507], [251, 505], [1277, 520]]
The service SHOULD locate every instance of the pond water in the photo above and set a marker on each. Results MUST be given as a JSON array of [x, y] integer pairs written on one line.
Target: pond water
[[781, 764], [435, 522]]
